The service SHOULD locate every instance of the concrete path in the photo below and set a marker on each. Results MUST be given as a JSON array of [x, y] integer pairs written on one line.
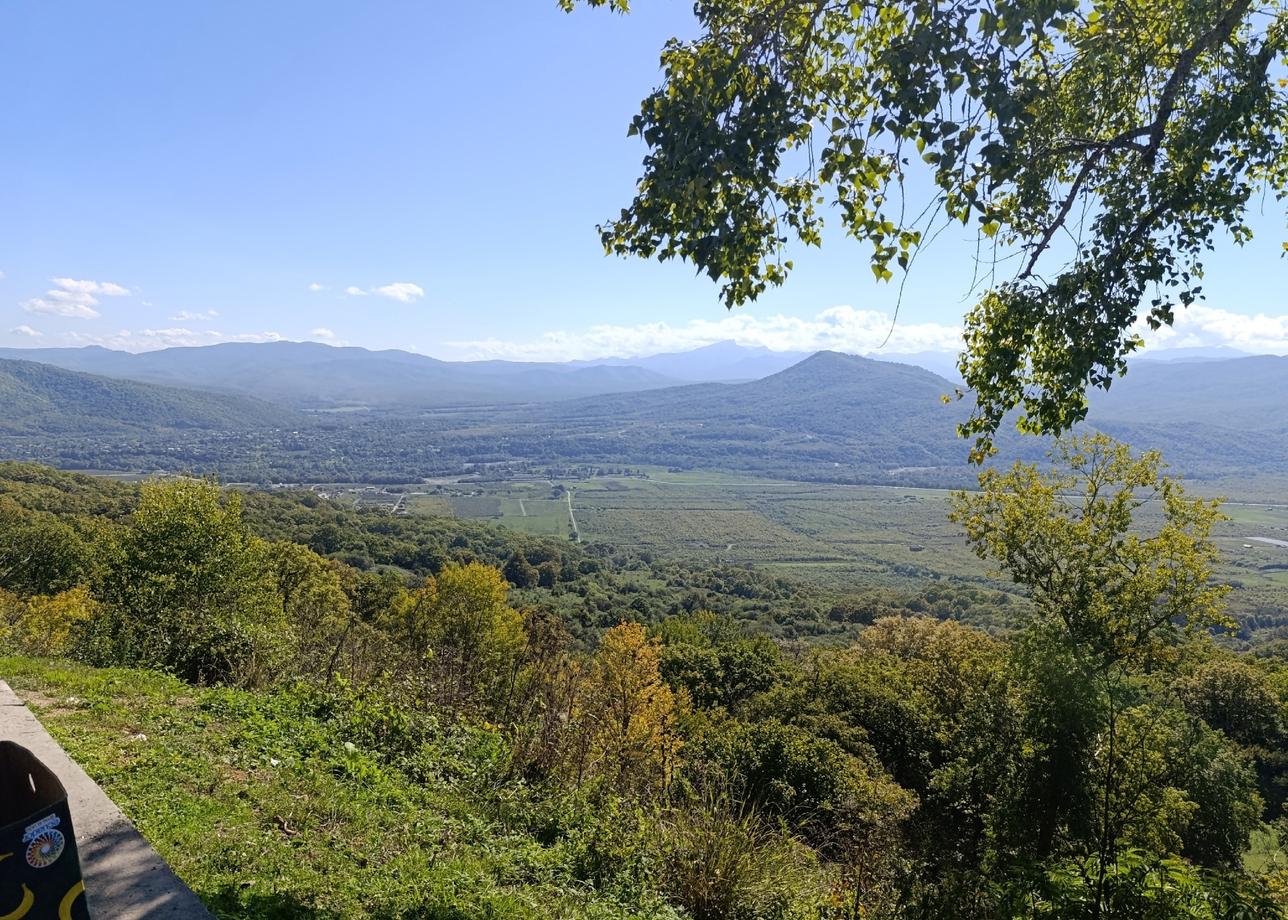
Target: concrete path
[[125, 879]]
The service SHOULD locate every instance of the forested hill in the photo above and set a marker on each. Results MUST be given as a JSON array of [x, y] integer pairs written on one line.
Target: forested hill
[[829, 409], [841, 417], [40, 398]]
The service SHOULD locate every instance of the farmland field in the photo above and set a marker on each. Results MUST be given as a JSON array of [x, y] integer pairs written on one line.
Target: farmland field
[[826, 535]]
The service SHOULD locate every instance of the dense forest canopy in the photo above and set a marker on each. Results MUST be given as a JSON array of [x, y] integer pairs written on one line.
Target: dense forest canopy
[[1102, 143]]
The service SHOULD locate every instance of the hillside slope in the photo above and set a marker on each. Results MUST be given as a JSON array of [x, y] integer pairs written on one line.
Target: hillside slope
[[39, 398]]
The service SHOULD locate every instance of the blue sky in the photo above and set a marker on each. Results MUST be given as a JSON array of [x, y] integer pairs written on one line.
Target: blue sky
[[184, 173]]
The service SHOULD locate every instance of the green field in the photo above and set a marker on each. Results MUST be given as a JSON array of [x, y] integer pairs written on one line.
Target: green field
[[831, 536], [526, 506]]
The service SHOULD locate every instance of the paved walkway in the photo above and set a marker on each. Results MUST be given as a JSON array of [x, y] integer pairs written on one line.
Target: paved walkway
[[125, 879]]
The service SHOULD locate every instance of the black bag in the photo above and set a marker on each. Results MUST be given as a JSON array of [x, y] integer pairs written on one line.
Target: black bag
[[40, 873]]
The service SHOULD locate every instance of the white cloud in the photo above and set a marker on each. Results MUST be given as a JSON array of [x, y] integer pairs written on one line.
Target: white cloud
[[316, 286], [152, 339], [852, 330], [106, 288], [402, 291], [63, 303], [26, 330], [322, 333], [1202, 326], [842, 328], [186, 316], [74, 298]]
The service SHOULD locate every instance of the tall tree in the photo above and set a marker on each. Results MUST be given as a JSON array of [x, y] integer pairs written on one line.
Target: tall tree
[[1102, 142], [1104, 770], [470, 640]]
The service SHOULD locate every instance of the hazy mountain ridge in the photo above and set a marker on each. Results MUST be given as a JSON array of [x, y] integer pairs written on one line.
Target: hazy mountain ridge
[[830, 416], [309, 375]]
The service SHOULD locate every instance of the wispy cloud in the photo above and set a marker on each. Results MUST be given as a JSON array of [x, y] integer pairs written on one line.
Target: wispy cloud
[[106, 288], [187, 316], [152, 339], [74, 298], [317, 286], [401, 291], [838, 328], [848, 329], [26, 330], [322, 333]]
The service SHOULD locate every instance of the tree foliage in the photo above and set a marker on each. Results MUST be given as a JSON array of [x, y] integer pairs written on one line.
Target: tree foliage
[[1102, 143], [628, 714], [1095, 760], [1073, 537]]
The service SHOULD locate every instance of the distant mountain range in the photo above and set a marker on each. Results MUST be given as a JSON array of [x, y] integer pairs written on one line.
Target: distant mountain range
[[308, 375], [829, 409], [844, 413], [725, 361], [829, 415]]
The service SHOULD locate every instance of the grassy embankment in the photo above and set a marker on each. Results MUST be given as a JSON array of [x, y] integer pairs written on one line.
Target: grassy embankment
[[266, 807]]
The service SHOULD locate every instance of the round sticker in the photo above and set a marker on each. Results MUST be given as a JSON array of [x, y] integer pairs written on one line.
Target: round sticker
[[45, 848]]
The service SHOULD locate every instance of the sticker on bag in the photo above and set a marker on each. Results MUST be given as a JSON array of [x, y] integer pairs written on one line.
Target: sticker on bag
[[45, 842]]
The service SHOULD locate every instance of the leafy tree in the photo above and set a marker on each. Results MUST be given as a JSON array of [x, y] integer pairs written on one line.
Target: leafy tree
[[1070, 535], [191, 590], [40, 553], [521, 573], [44, 625], [548, 574], [785, 772], [1239, 700], [466, 635], [626, 715], [1103, 142], [715, 661], [1105, 769], [1234, 697], [311, 591]]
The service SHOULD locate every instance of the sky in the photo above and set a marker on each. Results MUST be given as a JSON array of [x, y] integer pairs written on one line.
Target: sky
[[414, 175]]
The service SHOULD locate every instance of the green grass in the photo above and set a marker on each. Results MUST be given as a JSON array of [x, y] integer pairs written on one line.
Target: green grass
[[258, 803], [1265, 852]]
